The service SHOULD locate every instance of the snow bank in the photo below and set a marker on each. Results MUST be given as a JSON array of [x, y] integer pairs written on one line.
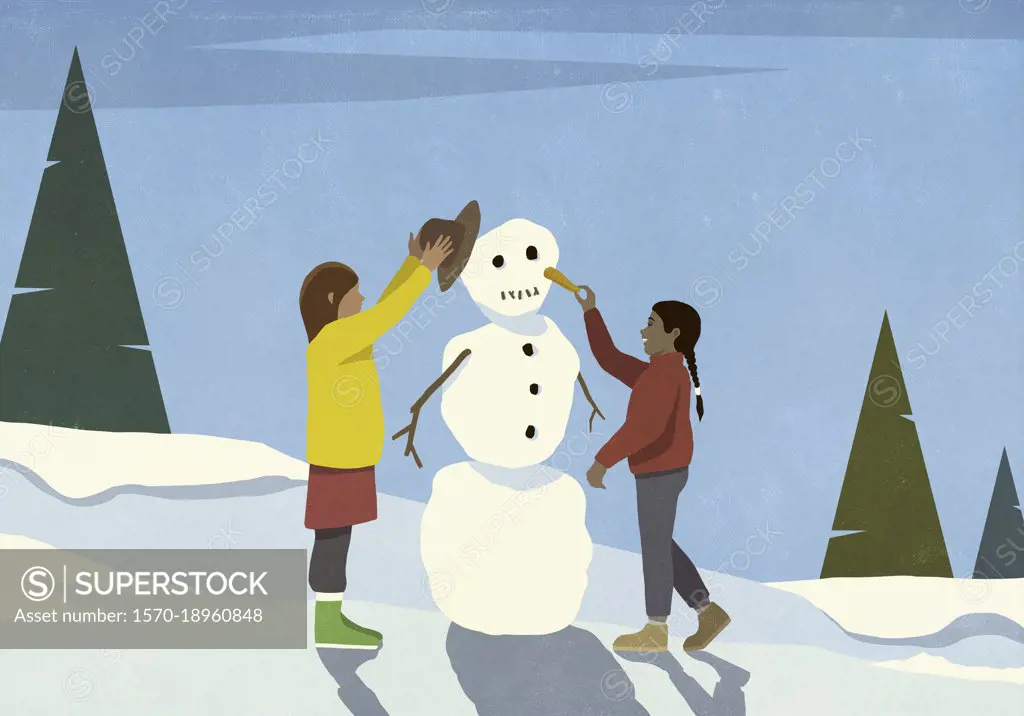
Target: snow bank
[[938, 666], [903, 607], [79, 464], [21, 542]]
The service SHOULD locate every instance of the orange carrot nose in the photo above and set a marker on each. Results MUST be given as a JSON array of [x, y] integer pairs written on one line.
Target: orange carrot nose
[[556, 276]]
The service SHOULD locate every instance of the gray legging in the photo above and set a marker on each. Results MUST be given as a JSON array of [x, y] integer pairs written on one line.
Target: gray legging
[[329, 559], [665, 564]]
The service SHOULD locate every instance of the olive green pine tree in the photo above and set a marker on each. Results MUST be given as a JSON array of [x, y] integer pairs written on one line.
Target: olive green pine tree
[[886, 502], [74, 350]]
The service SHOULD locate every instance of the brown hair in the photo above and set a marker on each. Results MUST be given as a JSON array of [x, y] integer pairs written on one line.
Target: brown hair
[[317, 305], [676, 314]]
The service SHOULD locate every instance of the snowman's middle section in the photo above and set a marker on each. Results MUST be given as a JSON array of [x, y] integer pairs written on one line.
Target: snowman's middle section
[[509, 403]]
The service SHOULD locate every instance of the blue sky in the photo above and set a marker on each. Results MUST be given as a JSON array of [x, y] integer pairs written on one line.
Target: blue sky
[[681, 183]]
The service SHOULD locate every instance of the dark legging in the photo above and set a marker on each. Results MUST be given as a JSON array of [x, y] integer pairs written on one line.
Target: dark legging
[[329, 559], [665, 564]]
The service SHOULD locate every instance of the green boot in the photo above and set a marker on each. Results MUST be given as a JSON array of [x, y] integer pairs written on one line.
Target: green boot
[[365, 630], [332, 630]]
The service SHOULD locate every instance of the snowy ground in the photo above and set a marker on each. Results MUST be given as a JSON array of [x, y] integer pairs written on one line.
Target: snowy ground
[[828, 646], [903, 616], [425, 661]]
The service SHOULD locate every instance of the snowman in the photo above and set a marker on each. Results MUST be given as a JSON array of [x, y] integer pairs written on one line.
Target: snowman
[[503, 537]]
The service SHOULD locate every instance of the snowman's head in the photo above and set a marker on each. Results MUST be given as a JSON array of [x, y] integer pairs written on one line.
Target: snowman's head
[[505, 272]]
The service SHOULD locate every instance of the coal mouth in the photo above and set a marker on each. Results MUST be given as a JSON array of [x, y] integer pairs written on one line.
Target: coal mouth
[[519, 294]]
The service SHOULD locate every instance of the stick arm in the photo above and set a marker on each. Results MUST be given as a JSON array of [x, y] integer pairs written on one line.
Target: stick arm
[[410, 429], [590, 399]]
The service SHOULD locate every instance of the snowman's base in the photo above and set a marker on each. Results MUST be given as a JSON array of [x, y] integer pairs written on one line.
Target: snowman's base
[[506, 560]]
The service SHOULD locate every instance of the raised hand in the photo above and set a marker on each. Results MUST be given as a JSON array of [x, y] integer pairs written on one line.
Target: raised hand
[[435, 253], [415, 250], [590, 301]]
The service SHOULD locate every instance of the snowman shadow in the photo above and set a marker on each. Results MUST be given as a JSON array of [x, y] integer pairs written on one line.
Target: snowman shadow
[[568, 672], [341, 664], [727, 698]]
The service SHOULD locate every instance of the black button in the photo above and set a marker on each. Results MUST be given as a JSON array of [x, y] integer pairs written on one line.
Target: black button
[[528, 349], [530, 431], [534, 388]]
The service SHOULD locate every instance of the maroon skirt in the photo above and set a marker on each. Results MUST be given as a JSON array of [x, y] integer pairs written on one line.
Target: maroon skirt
[[340, 497]]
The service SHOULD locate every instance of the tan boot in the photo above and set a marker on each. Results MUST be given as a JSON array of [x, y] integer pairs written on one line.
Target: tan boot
[[710, 624], [652, 638]]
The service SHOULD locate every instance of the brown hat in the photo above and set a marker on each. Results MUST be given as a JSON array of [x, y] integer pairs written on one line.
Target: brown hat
[[451, 268]]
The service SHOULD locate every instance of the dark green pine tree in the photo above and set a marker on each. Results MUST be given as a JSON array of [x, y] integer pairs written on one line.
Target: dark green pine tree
[[74, 351], [886, 501], [1001, 555]]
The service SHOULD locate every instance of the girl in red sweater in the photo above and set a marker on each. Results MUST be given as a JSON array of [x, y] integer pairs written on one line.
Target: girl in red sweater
[[657, 441]]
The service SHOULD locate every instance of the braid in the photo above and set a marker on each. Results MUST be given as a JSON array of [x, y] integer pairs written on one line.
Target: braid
[[683, 320], [691, 363]]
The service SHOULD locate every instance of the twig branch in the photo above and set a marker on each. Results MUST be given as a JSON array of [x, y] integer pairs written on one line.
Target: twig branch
[[590, 399], [410, 429]]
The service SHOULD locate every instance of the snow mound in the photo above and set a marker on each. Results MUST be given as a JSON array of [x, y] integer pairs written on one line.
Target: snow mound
[[909, 607], [963, 627], [91, 466], [938, 666], [21, 542]]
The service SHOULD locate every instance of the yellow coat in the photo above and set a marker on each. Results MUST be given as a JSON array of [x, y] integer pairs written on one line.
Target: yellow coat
[[345, 422]]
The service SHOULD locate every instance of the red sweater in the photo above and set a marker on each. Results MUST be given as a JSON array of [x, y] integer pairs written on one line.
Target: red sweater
[[656, 435]]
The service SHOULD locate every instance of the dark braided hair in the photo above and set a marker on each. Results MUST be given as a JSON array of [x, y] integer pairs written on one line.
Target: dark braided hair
[[676, 314]]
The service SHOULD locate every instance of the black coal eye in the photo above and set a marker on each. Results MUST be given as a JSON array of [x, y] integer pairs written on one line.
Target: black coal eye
[[531, 253], [498, 261]]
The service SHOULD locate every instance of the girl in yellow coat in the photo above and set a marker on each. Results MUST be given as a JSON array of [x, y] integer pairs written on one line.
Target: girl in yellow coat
[[345, 422]]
